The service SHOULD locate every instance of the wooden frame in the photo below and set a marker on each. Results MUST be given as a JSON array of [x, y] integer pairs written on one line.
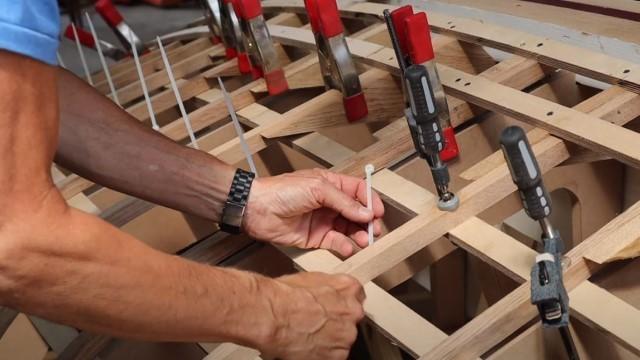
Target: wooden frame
[[583, 137]]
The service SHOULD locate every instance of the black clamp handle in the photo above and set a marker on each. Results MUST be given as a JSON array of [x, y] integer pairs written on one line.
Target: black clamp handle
[[423, 108], [525, 172]]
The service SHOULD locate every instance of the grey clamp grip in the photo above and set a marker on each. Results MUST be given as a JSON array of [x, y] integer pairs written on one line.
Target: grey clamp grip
[[423, 108], [525, 172], [547, 288]]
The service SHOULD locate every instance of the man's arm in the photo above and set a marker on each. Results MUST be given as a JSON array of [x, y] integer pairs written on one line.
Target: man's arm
[[65, 265], [307, 209], [103, 143]]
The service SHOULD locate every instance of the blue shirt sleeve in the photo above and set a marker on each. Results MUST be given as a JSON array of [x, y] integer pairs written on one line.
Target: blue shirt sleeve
[[31, 28]]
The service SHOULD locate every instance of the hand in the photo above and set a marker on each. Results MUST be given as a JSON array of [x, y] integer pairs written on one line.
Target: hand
[[312, 209], [316, 318]]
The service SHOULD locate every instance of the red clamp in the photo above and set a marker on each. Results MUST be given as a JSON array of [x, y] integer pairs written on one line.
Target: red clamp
[[84, 36], [336, 63], [414, 40], [123, 31]]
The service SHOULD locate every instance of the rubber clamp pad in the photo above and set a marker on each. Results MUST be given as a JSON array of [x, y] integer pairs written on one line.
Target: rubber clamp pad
[[419, 38], [355, 107], [109, 12], [329, 18], [398, 16], [276, 82], [256, 72], [250, 9], [451, 150], [450, 205], [244, 65], [84, 36], [230, 53]]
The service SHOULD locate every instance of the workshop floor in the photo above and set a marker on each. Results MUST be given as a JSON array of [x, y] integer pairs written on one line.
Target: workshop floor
[[146, 20]]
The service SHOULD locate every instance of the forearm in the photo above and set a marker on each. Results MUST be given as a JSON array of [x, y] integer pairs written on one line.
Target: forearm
[[103, 143], [75, 269]]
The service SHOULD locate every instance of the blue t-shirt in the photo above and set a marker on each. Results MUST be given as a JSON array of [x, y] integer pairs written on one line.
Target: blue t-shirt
[[31, 28]]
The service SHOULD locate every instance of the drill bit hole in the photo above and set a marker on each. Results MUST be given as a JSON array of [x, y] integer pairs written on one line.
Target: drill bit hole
[[458, 79], [467, 84], [539, 44], [452, 27], [550, 113], [626, 71]]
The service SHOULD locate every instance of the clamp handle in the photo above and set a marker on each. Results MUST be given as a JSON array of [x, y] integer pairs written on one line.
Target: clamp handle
[[109, 13], [525, 172], [84, 36], [324, 17], [423, 109]]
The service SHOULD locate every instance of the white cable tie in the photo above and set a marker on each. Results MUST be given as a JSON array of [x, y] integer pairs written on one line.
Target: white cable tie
[[143, 84], [368, 170], [81, 53], [239, 131], [185, 117], [60, 61], [107, 73]]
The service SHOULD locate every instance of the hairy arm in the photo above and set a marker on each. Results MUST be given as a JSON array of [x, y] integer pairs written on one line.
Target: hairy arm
[[68, 266], [103, 143]]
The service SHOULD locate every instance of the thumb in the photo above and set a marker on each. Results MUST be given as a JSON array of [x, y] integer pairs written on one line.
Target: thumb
[[331, 197]]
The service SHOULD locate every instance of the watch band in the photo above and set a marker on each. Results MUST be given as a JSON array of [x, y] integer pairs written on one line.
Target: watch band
[[233, 211]]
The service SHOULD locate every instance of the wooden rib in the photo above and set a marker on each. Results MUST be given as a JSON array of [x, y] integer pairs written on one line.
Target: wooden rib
[[615, 105], [515, 310], [515, 259], [550, 52]]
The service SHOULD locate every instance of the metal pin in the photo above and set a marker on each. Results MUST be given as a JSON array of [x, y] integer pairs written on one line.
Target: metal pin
[[107, 73], [368, 170], [239, 131], [81, 53], [143, 84], [185, 117]]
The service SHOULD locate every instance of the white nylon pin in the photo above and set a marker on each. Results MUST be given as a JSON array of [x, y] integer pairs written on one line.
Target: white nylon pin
[[143, 84], [239, 131], [81, 53], [60, 61], [172, 80], [105, 68], [368, 170]]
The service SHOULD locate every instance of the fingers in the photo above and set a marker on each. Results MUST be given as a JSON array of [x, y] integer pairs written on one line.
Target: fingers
[[357, 189], [330, 196], [338, 243]]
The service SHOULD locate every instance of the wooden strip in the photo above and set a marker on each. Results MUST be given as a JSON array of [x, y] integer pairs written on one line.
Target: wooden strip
[[550, 52], [433, 223], [515, 310], [615, 105]]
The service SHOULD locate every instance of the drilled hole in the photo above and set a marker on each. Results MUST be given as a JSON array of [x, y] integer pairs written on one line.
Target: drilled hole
[[449, 22], [458, 79], [626, 71], [452, 27], [539, 44], [467, 84], [550, 113]]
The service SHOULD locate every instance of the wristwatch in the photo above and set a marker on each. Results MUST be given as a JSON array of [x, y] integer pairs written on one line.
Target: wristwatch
[[233, 211]]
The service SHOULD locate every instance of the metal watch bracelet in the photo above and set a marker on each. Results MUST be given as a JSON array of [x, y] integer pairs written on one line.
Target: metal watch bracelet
[[233, 211]]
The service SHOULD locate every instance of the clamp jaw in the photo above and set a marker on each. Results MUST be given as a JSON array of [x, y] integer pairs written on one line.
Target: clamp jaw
[[337, 65], [257, 41], [86, 39], [423, 101], [123, 31], [412, 44], [547, 288], [213, 18]]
